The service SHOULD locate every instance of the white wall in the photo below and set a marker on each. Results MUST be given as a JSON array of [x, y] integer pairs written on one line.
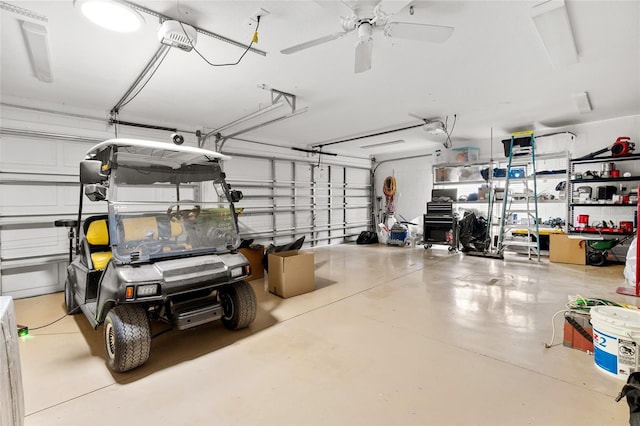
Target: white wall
[[414, 180]]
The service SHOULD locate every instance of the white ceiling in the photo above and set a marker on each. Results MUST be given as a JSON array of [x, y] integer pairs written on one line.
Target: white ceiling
[[493, 73]]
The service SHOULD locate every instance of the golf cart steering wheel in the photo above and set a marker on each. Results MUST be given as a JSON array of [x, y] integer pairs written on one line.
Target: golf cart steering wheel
[[186, 214]]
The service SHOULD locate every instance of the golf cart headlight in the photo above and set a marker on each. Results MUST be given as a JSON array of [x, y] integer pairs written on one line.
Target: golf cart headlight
[[237, 272], [147, 290]]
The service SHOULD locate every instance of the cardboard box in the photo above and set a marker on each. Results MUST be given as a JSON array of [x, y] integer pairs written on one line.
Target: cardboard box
[[443, 174], [255, 256], [563, 249], [291, 273], [483, 192]]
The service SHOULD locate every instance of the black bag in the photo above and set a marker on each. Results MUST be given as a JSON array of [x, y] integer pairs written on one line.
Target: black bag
[[472, 232], [367, 237], [632, 391], [294, 245]]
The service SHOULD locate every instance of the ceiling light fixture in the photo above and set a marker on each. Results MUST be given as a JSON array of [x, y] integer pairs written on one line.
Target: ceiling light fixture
[[552, 22], [378, 145], [582, 102], [37, 41], [113, 15]]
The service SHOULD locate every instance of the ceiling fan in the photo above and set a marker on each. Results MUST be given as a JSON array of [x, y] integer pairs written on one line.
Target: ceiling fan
[[368, 17]]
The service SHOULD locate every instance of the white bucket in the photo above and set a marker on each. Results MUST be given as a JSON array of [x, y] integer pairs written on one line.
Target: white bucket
[[615, 333]]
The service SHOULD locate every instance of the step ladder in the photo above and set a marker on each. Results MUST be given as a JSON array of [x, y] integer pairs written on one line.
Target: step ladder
[[527, 200]]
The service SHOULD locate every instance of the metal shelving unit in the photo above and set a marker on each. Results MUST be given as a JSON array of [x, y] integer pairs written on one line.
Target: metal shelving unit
[[604, 215], [553, 168]]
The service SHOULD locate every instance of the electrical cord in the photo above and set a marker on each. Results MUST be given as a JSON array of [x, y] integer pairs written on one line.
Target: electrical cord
[[47, 325], [146, 82], [254, 39], [162, 332], [553, 327], [447, 143]]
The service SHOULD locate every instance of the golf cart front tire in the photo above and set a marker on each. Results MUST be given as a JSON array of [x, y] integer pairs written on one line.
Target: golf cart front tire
[[127, 337], [239, 305]]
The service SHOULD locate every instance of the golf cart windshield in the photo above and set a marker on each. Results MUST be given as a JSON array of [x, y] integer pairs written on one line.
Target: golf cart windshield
[[154, 207], [143, 232]]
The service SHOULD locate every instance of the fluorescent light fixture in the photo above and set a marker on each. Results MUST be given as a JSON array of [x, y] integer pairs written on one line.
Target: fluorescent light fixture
[[253, 115], [582, 102], [37, 41], [113, 15], [378, 145], [552, 22]]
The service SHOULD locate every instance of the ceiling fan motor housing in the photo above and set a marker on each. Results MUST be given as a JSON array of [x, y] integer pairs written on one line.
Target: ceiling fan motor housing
[[365, 31]]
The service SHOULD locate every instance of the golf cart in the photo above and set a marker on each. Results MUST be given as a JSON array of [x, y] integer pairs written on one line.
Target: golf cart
[[160, 252]]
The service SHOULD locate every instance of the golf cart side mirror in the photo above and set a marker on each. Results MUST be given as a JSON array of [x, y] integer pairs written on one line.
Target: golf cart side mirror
[[236, 196], [91, 172], [95, 192]]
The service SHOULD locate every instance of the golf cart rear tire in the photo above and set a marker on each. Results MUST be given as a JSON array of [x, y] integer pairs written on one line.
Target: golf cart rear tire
[[127, 337], [69, 299], [239, 305]]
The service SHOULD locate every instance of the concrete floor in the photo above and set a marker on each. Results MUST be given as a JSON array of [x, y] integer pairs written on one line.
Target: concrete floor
[[390, 336]]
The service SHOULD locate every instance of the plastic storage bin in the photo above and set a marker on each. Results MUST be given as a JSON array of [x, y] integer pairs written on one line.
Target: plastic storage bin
[[465, 154]]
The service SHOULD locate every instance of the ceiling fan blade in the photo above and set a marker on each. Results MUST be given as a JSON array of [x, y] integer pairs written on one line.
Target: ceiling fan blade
[[364, 51], [420, 32], [311, 43]]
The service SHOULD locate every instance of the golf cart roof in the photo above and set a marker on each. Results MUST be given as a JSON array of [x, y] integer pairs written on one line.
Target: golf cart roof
[[161, 151]]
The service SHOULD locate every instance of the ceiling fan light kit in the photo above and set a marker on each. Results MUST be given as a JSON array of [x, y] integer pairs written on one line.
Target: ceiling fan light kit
[[364, 48]]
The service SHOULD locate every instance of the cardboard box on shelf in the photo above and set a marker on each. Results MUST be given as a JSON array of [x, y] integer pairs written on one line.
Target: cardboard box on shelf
[[483, 192], [563, 249], [443, 174], [255, 255], [291, 273]]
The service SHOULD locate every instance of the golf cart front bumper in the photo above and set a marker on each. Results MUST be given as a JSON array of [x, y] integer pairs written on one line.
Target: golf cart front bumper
[[155, 283]]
